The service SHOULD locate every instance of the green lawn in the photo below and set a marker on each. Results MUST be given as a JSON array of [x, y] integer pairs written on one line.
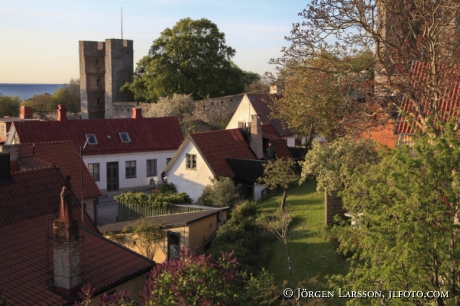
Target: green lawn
[[311, 254]]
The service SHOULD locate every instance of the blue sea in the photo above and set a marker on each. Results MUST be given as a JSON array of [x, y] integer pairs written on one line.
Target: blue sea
[[27, 91]]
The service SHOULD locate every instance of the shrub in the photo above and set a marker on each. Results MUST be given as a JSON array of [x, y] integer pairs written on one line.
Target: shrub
[[246, 237], [167, 187], [221, 193]]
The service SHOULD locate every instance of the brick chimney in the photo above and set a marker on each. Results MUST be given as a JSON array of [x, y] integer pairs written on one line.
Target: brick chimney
[[137, 113], [67, 281], [255, 142], [25, 112], [62, 113]]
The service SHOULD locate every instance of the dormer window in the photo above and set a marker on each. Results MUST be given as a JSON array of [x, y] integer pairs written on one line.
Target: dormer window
[[125, 137], [91, 139]]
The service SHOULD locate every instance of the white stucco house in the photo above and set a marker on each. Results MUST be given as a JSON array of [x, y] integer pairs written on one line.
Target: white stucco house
[[121, 154], [235, 153], [257, 104]]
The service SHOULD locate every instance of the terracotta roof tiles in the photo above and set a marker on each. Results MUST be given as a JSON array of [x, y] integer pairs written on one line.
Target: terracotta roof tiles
[[448, 104], [217, 146], [260, 104], [29, 203], [147, 134], [66, 157]]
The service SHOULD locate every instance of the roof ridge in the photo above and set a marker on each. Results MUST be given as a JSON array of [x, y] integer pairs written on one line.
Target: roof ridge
[[26, 171], [215, 131]]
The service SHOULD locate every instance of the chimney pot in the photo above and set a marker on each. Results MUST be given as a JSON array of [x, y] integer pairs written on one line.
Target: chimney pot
[[137, 113], [62, 113]]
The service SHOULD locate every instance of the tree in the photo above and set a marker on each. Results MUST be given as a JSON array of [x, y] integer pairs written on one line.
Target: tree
[[69, 95], [190, 58], [408, 210], [9, 105], [333, 163], [222, 192], [40, 103], [399, 33], [259, 84], [280, 173], [203, 280], [278, 225], [149, 237], [180, 106], [318, 98]]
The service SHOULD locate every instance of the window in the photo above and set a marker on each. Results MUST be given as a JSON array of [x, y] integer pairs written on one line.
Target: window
[[124, 137], [167, 161], [405, 139], [151, 167], [91, 139], [130, 167], [94, 170], [2, 130], [190, 161]]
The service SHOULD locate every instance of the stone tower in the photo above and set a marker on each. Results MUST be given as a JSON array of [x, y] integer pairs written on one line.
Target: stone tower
[[104, 68]]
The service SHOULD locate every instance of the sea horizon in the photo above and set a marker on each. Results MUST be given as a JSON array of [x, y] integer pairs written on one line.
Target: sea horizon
[[26, 91]]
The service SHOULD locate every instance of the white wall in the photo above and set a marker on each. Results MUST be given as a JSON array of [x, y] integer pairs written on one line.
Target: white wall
[[187, 180], [141, 181], [241, 113], [290, 141], [258, 191]]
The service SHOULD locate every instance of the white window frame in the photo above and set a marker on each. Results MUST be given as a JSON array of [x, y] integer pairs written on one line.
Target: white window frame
[[190, 161]]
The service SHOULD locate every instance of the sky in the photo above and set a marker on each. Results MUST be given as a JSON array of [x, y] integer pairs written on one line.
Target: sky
[[39, 38]]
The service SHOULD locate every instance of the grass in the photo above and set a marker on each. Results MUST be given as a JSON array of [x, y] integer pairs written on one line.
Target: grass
[[312, 256]]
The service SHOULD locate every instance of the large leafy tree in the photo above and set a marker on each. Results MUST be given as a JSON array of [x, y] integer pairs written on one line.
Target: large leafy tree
[[189, 58], [68, 95], [399, 34], [320, 98], [9, 105], [333, 163], [408, 210]]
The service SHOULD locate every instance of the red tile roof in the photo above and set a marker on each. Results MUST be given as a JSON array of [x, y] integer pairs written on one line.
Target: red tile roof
[[448, 104], [260, 104], [66, 157], [27, 262], [147, 134], [34, 193], [28, 206], [217, 146]]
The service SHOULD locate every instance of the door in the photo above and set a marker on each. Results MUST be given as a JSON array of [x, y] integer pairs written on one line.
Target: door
[[112, 176]]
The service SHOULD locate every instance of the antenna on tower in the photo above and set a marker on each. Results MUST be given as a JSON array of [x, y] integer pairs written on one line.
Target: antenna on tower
[[121, 23]]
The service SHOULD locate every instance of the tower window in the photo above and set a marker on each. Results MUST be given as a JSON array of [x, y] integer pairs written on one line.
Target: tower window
[[97, 63], [98, 100]]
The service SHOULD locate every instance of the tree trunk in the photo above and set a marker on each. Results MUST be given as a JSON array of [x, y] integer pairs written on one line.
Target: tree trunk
[[283, 200], [288, 255]]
